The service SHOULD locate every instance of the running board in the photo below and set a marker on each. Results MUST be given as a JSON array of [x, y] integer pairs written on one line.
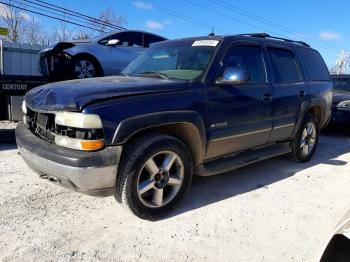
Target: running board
[[229, 163]]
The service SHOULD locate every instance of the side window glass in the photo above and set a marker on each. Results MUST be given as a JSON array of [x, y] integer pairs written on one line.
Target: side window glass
[[284, 65], [248, 58], [315, 66], [125, 39]]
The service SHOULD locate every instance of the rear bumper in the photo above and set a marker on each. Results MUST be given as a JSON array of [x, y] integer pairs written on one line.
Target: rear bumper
[[92, 173]]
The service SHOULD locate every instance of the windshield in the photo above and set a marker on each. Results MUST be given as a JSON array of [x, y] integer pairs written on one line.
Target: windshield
[[185, 60], [341, 84]]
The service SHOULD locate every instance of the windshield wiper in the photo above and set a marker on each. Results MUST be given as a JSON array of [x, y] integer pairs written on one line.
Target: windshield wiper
[[124, 74], [161, 75]]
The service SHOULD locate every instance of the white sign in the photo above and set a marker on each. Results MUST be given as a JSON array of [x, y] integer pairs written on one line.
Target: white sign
[[205, 43]]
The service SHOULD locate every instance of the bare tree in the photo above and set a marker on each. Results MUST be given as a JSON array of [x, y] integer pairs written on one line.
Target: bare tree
[[107, 16], [61, 33], [33, 32], [13, 19]]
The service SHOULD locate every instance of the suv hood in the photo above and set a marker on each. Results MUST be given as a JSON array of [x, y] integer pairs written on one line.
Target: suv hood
[[73, 95]]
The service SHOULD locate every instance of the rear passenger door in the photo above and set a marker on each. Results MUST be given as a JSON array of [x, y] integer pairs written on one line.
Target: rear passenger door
[[289, 90]]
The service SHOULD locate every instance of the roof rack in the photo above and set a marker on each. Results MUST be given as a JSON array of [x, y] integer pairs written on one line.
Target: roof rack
[[264, 35]]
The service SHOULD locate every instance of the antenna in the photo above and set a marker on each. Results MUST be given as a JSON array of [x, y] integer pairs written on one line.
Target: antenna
[[212, 32]]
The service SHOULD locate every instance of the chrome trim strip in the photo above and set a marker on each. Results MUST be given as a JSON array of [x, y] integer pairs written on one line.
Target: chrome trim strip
[[284, 126], [242, 134]]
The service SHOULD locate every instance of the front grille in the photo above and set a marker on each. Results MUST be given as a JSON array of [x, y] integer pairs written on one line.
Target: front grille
[[42, 125]]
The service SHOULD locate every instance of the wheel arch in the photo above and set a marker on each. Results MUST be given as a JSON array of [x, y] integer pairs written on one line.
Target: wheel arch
[[315, 108], [187, 126]]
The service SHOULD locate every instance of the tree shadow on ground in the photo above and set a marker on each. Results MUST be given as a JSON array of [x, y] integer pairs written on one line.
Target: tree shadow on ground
[[208, 190], [4, 147], [7, 136]]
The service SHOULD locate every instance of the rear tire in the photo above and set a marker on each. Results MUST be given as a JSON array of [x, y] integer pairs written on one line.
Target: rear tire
[[305, 142], [155, 173]]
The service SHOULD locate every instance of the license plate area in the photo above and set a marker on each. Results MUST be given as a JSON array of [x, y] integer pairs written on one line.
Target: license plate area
[[42, 121]]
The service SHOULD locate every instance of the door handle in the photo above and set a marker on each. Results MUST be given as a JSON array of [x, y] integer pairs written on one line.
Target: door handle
[[267, 97], [302, 93]]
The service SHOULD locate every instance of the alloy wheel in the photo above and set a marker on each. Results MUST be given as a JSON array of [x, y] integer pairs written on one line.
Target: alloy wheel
[[84, 69], [308, 139], [160, 179]]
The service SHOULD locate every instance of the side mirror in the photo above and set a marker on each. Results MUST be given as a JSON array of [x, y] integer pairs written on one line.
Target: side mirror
[[112, 42], [234, 75]]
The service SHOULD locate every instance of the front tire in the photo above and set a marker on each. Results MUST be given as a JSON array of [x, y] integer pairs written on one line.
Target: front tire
[[156, 172], [84, 67], [305, 143]]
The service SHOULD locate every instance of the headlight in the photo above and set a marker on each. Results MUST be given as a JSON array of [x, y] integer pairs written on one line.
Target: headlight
[[24, 107], [344, 105], [78, 120]]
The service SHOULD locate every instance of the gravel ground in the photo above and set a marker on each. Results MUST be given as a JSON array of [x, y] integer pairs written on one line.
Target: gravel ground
[[272, 211], [7, 131], [7, 125]]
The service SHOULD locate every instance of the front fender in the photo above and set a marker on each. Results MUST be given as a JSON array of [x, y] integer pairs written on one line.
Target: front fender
[[129, 127]]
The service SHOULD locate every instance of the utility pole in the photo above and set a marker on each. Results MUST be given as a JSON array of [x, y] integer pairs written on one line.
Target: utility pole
[[341, 63]]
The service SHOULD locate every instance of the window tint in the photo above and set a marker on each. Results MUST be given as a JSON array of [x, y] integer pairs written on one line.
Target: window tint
[[125, 39], [315, 66], [248, 58], [284, 65]]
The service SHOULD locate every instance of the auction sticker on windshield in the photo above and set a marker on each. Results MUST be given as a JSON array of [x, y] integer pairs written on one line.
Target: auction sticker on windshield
[[205, 43]]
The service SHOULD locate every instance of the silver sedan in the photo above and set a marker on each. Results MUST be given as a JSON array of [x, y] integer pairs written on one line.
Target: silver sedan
[[105, 55]]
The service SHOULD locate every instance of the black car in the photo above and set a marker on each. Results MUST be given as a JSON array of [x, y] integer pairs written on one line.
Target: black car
[[203, 105], [341, 99]]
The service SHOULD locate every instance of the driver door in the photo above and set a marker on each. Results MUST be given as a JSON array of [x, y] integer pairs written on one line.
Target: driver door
[[240, 115]]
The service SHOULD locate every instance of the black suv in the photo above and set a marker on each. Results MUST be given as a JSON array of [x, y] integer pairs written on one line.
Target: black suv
[[203, 105]]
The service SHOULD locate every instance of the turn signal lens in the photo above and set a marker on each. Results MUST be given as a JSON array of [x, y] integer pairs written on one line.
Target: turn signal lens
[[92, 145]]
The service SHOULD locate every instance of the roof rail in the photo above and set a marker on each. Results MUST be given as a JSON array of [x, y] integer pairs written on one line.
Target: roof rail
[[264, 35]]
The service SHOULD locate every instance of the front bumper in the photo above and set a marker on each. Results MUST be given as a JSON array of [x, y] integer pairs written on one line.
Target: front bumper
[[340, 116], [91, 173], [55, 66]]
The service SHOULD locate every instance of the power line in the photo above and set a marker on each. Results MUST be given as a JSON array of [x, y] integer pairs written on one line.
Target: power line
[[49, 16], [49, 12], [243, 22], [268, 22], [183, 17], [65, 10], [227, 16]]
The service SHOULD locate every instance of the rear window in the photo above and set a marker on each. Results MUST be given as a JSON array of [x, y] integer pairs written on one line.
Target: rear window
[[284, 65], [316, 68]]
